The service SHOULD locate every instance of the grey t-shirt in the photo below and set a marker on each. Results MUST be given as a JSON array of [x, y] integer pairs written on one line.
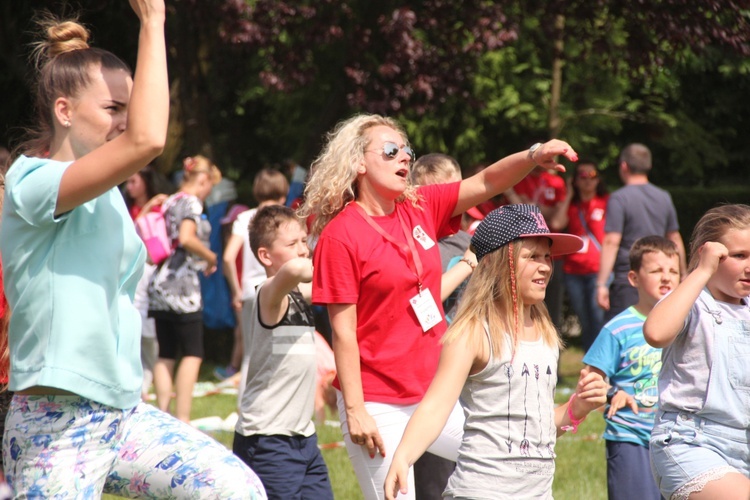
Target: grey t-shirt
[[279, 395], [636, 211], [451, 247]]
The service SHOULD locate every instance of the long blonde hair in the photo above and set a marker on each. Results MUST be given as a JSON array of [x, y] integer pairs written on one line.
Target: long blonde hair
[[491, 296], [714, 224], [333, 183]]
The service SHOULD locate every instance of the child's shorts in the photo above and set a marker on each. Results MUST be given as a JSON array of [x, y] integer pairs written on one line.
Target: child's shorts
[[688, 451]]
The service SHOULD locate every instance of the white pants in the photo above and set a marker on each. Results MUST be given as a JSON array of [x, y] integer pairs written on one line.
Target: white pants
[[391, 421]]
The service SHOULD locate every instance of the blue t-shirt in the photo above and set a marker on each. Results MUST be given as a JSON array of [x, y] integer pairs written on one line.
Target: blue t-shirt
[[70, 281], [621, 352]]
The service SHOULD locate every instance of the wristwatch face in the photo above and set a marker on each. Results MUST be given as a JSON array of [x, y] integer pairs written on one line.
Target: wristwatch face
[[533, 149], [611, 393]]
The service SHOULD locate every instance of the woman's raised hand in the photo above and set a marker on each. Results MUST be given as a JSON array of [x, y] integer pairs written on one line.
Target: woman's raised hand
[[546, 155], [145, 9]]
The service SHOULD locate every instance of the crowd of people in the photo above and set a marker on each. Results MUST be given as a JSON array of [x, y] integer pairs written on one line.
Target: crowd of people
[[443, 296]]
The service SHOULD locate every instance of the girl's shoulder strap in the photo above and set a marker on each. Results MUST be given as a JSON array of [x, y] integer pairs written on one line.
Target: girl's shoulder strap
[[487, 333]]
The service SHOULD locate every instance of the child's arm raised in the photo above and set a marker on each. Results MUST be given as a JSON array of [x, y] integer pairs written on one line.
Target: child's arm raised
[[456, 361], [273, 295], [667, 318]]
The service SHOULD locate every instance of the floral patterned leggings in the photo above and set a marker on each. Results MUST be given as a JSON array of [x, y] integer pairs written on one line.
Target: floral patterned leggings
[[71, 447]]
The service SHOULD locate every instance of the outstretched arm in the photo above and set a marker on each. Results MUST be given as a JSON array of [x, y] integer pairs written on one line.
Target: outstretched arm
[[506, 173], [428, 420], [667, 318], [147, 116]]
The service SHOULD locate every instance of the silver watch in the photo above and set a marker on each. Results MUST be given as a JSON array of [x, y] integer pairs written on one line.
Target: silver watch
[[532, 150]]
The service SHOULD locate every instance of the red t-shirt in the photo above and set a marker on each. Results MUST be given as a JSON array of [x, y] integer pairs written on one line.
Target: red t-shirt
[[543, 189], [354, 264], [586, 261]]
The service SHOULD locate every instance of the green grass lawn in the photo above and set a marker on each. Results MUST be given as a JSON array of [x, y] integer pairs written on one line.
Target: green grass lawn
[[581, 466]]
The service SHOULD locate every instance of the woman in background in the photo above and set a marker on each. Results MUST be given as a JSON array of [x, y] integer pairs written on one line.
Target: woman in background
[[583, 214], [175, 300]]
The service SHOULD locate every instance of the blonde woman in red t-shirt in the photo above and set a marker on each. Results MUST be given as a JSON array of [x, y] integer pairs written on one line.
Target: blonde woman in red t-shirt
[[583, 214], [377, 268]]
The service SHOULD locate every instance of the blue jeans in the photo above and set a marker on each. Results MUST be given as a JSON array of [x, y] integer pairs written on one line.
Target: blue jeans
[[581, 290], [291, 467], [629, 472]]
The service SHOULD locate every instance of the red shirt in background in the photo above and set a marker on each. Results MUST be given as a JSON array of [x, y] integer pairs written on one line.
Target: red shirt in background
[[586, 261], [545, 189]]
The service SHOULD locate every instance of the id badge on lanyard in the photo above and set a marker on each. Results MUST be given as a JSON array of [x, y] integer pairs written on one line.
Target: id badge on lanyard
[[423, 303]]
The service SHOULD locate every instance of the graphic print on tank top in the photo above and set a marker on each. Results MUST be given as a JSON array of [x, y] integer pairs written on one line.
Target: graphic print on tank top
[[530, 400]]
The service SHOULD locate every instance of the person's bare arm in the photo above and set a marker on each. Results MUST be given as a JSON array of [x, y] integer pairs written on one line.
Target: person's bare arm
[[591, 393], [152, 203], [558, 219], [188, 237], [143, 140], [506, 173], [610, 245], [233, 248], [362, 427], [273, 298], [428, 420], [457, 274], [667, 318], [676, 237]]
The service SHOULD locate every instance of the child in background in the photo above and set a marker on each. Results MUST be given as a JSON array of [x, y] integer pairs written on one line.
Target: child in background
[[174, 292], [270, 187], [500, 356], [457, 261], [699, 445], [431, 472], [621, 353], [275, 432]]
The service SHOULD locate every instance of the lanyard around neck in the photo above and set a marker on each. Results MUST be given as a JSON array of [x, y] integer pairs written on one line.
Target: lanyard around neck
[[415, 265]]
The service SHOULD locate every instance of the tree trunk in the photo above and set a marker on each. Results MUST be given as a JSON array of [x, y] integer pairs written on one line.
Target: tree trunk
[[555, 125]]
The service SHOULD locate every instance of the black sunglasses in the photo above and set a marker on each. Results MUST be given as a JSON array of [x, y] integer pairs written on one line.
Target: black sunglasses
[[391, 149]]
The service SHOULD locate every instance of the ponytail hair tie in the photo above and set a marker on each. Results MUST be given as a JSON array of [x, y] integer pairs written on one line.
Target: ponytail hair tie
[[189, 164]]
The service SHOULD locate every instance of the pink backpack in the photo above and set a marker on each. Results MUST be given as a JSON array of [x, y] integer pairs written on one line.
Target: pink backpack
[[152, 228]]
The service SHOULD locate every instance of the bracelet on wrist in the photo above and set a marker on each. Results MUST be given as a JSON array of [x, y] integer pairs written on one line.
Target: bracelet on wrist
[[601, 285], [574, 422], [472, 265]]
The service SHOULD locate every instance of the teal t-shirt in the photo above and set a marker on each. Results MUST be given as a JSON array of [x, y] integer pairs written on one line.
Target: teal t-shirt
[[621, 352], [70, 282]]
